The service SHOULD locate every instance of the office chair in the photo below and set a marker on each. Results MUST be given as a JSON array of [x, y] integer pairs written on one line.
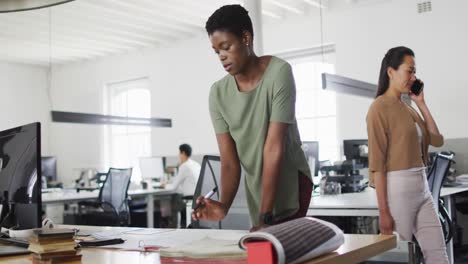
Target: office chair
[[435, 178], [210, 177], [111, 207]]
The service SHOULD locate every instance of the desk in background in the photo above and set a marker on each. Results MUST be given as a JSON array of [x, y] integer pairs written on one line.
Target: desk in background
[[365, 204], [357, 248], [71, 196]]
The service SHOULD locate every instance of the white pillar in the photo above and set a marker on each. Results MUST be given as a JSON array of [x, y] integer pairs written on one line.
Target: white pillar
[[255, 12]]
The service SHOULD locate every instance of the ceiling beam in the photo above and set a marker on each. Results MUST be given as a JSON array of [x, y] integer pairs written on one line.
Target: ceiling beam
[[103, 7], [287, 6], [97, 19], [159, 13], [271, 14], [60, 30], [192, 12], [84, 23], [24, 31], [317, 3]]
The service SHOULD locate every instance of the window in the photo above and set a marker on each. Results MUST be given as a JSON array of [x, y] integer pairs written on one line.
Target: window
[[315, 107], [126, 144]]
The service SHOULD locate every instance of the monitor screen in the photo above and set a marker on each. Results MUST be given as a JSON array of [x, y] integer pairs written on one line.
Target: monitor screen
[[20, 170], [152, 168], [311, 150], [356, 149], [49, 168]]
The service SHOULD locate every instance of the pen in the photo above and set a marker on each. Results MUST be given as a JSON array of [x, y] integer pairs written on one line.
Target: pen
[[207, 196]]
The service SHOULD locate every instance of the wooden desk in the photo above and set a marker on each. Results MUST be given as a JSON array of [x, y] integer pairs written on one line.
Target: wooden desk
[[98, 256], [357, 248]]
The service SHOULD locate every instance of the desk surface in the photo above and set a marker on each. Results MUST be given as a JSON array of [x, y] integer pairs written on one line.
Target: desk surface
[[357, 248]]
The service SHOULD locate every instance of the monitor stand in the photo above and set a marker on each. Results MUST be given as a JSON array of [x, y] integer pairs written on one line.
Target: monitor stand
[[7, 219]]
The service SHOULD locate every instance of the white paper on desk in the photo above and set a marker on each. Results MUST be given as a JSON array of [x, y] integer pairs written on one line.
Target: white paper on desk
[[112, 233], [167, 239], [206, 248], [186, 236], [175, 238], [146, 231]]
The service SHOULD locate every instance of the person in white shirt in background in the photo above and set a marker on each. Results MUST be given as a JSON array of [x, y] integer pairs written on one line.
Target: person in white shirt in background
[[185, 181]]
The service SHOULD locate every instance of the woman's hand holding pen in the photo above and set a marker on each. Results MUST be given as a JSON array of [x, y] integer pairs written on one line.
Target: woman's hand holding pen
[[208, 209]]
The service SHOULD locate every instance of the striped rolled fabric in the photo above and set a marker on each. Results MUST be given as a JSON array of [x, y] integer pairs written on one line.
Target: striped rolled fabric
[[298, 240]]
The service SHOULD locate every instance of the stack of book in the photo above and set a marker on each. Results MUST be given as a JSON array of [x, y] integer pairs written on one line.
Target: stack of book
[[53, 246]]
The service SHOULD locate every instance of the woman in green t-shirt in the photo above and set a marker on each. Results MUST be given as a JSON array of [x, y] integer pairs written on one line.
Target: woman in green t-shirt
[[253, 113]]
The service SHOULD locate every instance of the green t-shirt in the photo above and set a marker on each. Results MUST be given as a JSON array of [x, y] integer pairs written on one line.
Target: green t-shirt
[[246, 116]]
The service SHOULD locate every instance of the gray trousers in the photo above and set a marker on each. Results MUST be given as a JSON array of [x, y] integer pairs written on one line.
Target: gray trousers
[[414, 213]]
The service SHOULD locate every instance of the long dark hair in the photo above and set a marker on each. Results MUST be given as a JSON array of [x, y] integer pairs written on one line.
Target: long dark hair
[[393, 58]]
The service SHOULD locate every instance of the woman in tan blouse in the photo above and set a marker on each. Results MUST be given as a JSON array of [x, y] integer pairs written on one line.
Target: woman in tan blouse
[[398, 143]]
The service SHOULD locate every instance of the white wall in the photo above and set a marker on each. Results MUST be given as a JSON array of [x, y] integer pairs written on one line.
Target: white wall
[[181, 75], [180, 79], [24, 99], [363, 36]]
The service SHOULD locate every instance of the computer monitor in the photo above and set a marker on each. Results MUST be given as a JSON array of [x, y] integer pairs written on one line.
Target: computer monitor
[[20, 174], [152, 168], [49, 168], [311, 150], [356, 149]]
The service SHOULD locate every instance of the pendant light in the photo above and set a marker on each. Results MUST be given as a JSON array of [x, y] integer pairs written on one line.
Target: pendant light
[[7, 6]]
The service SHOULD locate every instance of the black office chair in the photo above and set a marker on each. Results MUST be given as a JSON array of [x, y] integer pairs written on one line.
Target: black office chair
[[111, 207], [210, 177], [435, 178]]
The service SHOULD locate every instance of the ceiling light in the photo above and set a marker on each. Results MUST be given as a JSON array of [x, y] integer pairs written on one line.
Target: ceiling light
[[347, 85]]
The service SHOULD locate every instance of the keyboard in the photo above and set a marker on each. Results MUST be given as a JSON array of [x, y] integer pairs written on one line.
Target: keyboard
[[48, 190], [452, 184], [20, 242], [157, 185]]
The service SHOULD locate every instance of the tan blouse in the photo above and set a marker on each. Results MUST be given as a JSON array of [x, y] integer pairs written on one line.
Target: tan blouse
[[393, 137]]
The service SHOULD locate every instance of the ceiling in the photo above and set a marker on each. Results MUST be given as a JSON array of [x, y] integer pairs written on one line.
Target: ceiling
[[89, 29]]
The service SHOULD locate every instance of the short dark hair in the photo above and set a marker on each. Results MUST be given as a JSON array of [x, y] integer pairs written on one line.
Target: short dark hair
[[186, 148], [393, 58], [230, 18]]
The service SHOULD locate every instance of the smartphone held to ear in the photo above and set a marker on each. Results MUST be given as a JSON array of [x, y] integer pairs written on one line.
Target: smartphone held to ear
[[417, 87]]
